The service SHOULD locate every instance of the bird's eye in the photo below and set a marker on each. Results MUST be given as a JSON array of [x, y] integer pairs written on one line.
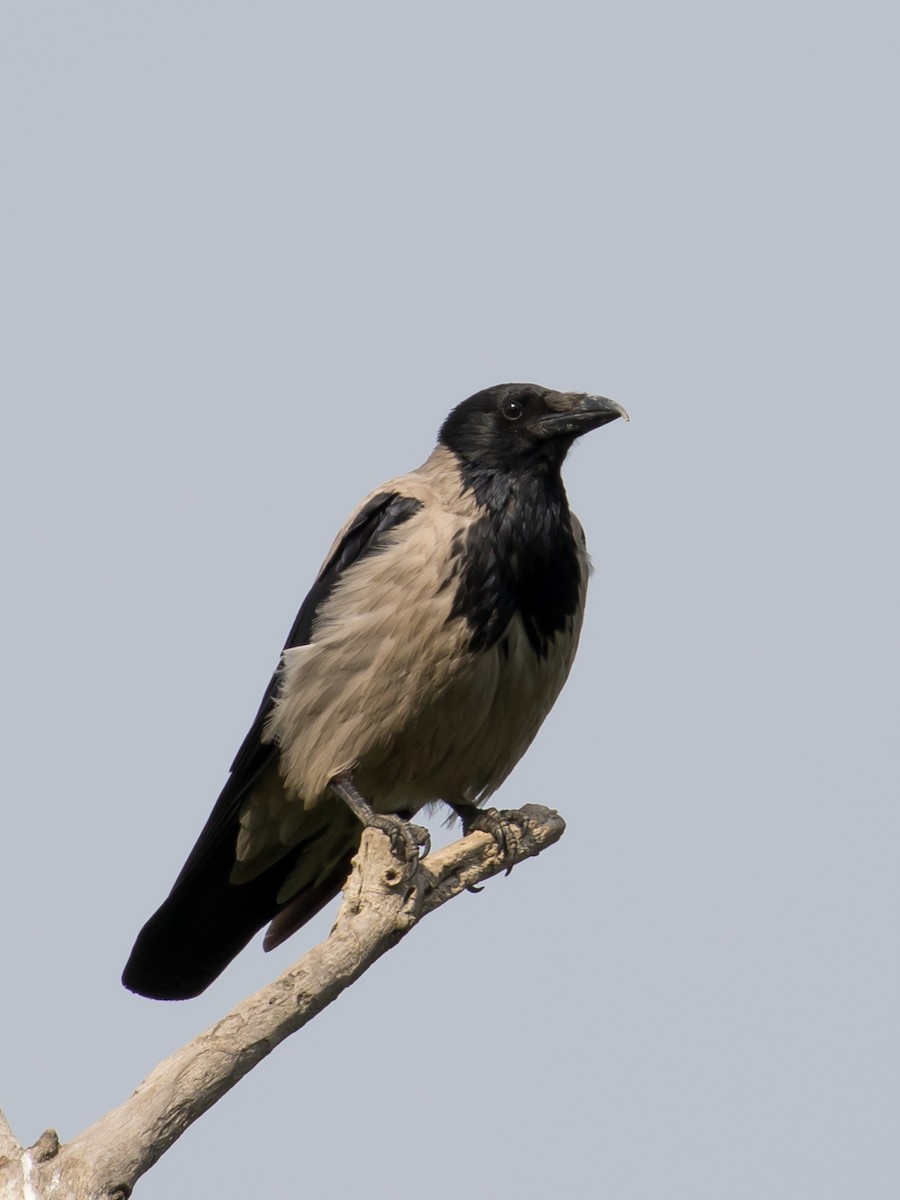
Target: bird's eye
[[512, 409]]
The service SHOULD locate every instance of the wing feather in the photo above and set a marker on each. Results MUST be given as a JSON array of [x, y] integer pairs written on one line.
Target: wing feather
[[206, 919]]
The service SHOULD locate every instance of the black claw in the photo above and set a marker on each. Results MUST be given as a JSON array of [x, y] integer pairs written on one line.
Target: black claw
[[406, 838], [494, 822], [422, 839]]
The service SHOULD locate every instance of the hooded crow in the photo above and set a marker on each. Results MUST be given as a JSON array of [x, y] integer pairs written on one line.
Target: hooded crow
[[432, 645]]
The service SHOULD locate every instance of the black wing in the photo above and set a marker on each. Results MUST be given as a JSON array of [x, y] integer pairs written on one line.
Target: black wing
[[206, 920], [365, 534]]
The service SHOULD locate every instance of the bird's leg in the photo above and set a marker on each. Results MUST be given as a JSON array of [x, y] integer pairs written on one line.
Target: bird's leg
[[494, 821], [406, 838]]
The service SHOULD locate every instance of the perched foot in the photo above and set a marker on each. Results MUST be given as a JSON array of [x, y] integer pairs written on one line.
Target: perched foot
[[406, 839], [494, 821]]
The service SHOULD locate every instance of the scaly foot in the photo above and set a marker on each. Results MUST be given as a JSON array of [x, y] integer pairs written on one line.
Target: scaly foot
[[407, 840], [496, 822]]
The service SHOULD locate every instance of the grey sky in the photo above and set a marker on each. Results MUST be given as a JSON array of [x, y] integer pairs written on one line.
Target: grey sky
[[251, 255]]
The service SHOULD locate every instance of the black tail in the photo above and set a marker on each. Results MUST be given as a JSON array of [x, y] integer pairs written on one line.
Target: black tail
[[201, 926], [206, 921]]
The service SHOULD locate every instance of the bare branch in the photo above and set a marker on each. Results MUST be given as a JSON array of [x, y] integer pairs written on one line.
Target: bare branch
[[383, 899], [9, 1146], [11, 1171]]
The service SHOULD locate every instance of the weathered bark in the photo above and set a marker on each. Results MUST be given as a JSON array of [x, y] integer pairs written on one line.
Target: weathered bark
[[11, 1176], [383, 899], [9, 1146]]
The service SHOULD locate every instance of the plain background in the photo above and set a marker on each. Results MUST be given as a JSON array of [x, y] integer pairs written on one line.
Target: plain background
[[251, 256]]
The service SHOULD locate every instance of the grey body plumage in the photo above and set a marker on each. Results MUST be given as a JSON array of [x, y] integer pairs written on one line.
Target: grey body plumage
[[434, 642]]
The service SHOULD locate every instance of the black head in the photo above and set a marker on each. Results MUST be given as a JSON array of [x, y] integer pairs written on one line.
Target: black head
[[521, 426]]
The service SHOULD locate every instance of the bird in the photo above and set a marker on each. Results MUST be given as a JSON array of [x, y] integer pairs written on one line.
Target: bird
[[433, 643]]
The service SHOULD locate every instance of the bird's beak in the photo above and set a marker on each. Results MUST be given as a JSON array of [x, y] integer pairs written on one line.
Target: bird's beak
[[575, 413]]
